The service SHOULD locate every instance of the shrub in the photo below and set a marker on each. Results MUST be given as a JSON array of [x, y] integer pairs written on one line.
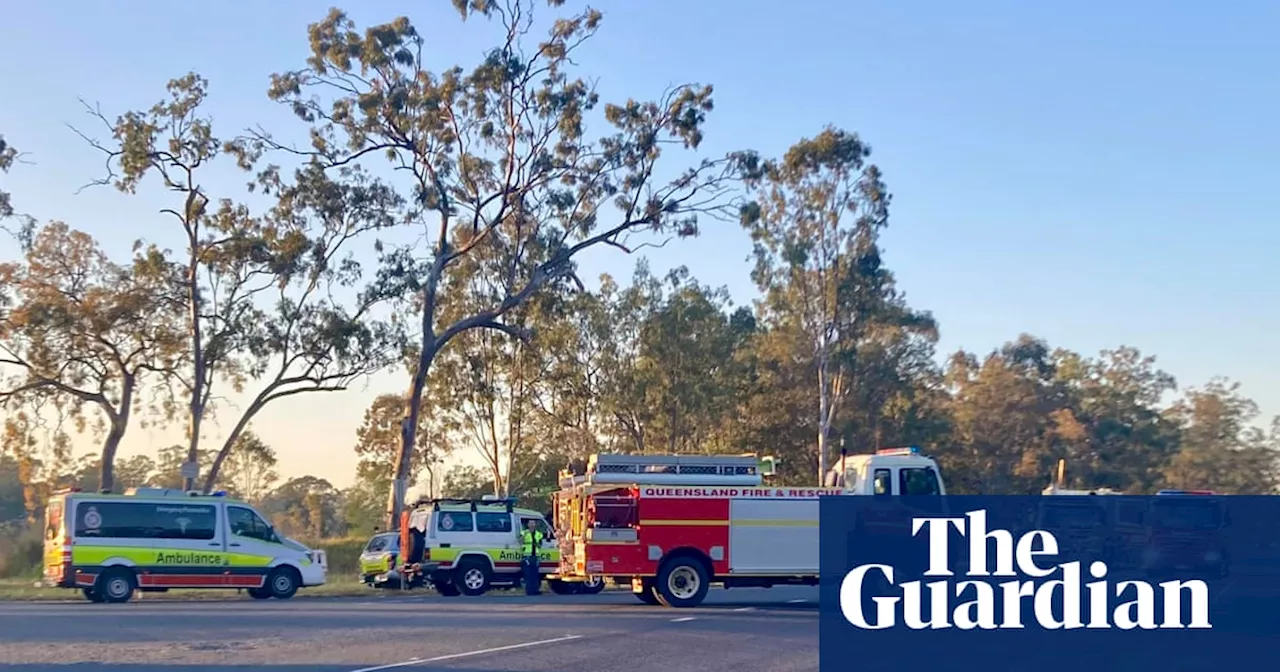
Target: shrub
[[21, 550]]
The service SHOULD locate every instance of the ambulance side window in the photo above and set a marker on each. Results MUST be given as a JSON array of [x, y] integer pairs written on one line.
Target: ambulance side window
[[455, 521], [493, 522], [246, 523], [882, 483]]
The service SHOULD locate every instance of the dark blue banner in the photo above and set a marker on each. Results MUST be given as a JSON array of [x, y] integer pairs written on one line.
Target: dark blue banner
[[1171, 582]]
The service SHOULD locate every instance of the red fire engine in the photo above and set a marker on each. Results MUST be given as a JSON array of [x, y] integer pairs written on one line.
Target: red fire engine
[[673, 525]]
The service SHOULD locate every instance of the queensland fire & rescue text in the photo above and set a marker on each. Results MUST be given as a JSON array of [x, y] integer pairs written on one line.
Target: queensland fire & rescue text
[[979, 608]]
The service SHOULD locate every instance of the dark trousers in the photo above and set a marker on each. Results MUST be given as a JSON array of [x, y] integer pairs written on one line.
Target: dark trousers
[[532, 576]]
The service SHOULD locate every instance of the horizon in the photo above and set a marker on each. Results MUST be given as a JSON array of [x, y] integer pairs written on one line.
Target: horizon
[[1063, 189]]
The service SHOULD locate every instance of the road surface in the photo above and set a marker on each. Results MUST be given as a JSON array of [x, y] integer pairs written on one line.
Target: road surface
[[739, 631]]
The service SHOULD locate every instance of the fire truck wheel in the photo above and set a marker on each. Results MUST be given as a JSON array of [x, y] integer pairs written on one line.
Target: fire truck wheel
[[472, 578], [591, 586], [683, 582], [445, 588], [562, 587]]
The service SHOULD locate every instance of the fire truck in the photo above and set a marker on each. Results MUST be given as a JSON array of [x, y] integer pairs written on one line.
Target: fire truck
[[673, 525]]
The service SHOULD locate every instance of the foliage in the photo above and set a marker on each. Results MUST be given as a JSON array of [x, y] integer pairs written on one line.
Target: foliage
[[497, 176], [294, 256], [250, 471], [507, 185], [84, 332]]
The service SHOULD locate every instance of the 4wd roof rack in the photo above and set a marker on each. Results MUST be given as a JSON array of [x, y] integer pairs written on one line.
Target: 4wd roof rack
[[474, 502]]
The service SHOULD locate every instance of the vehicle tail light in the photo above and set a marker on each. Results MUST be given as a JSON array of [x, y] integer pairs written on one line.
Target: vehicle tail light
[[67, 572]]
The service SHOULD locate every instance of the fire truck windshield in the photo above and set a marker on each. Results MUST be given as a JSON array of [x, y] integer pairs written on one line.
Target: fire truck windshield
[[1186, 514]]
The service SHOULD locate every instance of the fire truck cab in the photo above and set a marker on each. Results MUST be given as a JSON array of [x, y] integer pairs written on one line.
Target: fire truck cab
[[672, 525]]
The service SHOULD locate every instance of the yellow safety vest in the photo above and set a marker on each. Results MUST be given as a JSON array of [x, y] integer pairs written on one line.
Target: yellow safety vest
[[529, 542]]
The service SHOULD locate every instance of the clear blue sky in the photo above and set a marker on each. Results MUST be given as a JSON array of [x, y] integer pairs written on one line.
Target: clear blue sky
[[1093, 173]]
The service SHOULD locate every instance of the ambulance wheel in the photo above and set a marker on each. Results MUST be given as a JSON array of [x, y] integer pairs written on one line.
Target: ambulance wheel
[[116, 585], [259, 593], [472, 578], [445, 588], [593, 585], [91, 595], [683, 582], [283, 583]]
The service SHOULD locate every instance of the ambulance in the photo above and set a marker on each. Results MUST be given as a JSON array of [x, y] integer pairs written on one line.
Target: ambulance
[[155, 539], [673, 525], [466, 546]]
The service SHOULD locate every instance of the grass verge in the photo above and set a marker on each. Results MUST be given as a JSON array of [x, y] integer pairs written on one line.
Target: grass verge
[[25, 590]]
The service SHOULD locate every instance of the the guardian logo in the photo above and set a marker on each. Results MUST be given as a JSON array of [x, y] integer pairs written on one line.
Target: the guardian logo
[[976, 600]]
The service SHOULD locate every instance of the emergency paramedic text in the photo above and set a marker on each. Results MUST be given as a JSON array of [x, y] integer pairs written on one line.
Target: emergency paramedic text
[[1012, 559]]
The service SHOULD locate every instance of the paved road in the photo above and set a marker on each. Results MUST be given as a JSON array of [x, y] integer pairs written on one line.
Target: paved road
[[738, 631]]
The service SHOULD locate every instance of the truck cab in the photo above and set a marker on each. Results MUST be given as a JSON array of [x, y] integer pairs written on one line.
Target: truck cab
[[887, 472]]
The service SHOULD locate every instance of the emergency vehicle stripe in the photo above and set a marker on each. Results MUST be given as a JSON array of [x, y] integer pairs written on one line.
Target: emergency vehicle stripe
[[682, 523]]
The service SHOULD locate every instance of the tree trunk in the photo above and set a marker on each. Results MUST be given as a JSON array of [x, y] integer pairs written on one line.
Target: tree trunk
[[824, 416], [408, 432], [225, 451], [119, 423], [197, 355]]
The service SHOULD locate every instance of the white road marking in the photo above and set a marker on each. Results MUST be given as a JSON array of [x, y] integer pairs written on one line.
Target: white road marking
[[745, 609], [796, 601], [684, 619], [467, 654]]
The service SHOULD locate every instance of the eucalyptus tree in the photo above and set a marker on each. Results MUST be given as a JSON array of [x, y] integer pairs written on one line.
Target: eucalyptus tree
[[507, 177]]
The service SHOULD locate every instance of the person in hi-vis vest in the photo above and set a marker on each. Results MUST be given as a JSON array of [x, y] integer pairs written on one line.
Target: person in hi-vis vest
[[530, 541]]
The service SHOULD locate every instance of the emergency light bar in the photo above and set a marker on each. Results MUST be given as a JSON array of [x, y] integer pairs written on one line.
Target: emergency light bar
[[909, 450]]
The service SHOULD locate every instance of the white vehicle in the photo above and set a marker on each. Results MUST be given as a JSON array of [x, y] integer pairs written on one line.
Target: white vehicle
[[672, 525], [468, 546], [155, 539]]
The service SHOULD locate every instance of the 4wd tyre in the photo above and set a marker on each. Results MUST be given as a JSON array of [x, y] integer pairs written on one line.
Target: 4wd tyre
[[591, 586], [116, 585], [259, 593], [283, 582], [472, 577], [445, 588], [91, 595], [683, 582]]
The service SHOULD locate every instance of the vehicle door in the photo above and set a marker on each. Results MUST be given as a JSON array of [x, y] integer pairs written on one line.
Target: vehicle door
[[496, 531], [252, 546], [452, 534], [549, 554]]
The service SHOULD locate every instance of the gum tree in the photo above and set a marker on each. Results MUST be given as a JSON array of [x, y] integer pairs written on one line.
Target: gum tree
[[815, 226], [506, 182], [85, 333], [262, 292]]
